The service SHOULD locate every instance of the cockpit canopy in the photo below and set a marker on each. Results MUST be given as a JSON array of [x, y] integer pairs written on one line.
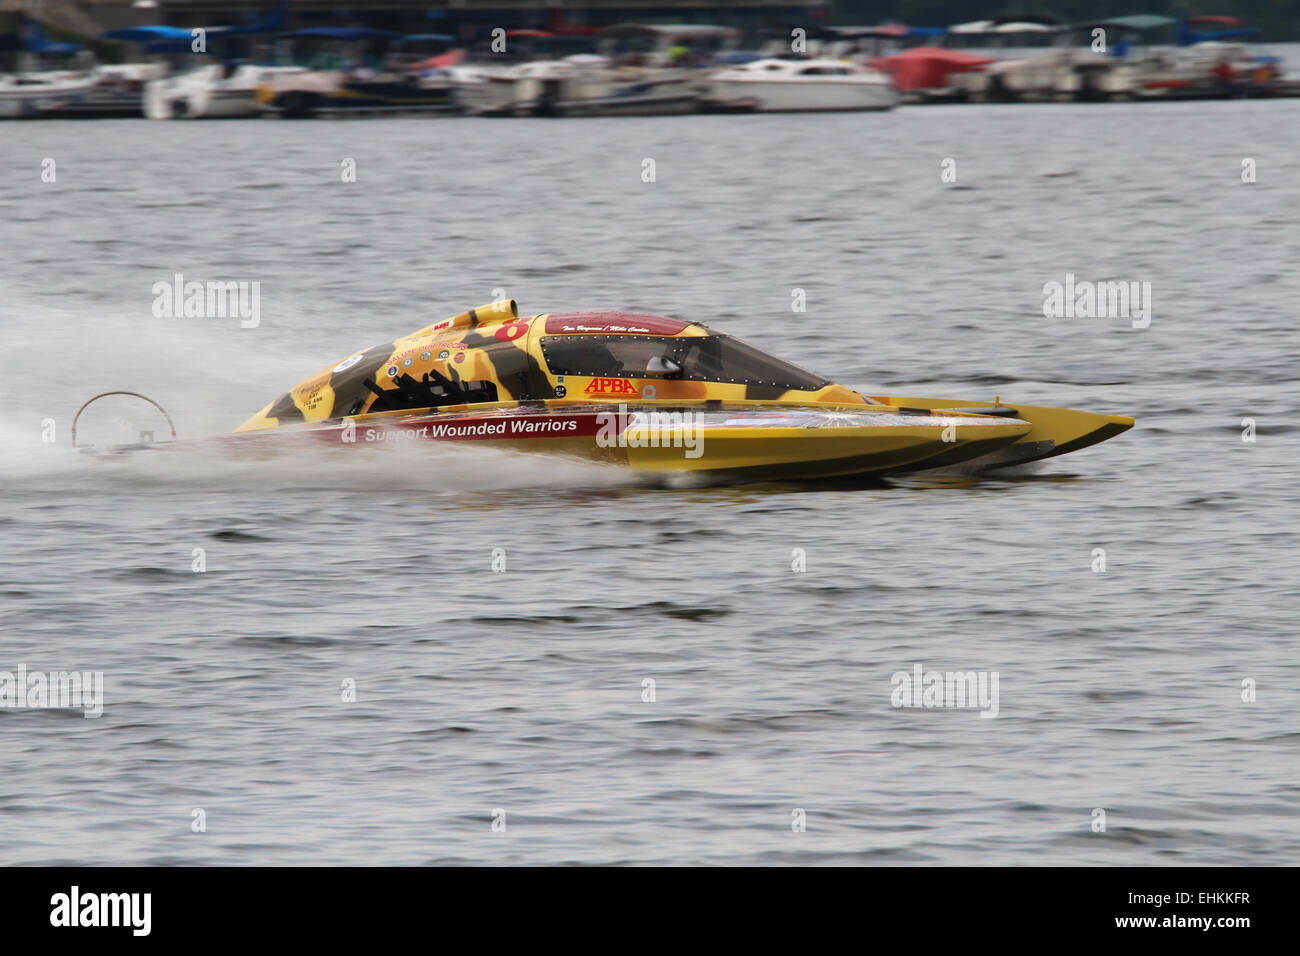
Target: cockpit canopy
[[491, 355], [700, 358]]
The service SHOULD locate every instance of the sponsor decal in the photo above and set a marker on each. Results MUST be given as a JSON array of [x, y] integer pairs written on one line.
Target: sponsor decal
[[310, 394], [452, 431], [470, 429], [611, 386], [407, 356], [561, 391], [460, 357], [442, 356], [625, 323], [543, 426], [444, 324], [633, 329], [347, 363], [479, 430], [392, 371], [394, 434]]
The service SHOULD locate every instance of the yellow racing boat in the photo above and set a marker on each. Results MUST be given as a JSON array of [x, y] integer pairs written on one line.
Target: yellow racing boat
[[657, 394]]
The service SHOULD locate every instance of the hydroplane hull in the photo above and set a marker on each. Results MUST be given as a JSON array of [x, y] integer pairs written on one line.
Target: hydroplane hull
[[743, 442], [651, 393]]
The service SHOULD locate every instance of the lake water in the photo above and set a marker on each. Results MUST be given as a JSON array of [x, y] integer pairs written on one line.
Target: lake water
[[522, 691]]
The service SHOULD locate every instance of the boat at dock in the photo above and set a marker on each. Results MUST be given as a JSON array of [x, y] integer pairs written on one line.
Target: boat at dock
[[1197, 64], [636, 71], [41, 77], [1142, 57], [522, 76], [351, 70], [803, 85], [1031, 58], [220, 79], [932, 74]]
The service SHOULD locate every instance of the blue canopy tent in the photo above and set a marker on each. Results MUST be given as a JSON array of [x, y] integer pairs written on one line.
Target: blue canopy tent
[[30, 38], [147, 35], [429, 38], [1189, 37], [163, 38], [53, 47]]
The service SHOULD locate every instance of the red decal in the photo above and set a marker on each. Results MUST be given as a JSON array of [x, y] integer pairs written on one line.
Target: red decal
[[611, 386], [512, 330]]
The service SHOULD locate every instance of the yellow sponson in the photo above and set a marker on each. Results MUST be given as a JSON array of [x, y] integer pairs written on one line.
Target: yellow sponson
[[1067, 429]]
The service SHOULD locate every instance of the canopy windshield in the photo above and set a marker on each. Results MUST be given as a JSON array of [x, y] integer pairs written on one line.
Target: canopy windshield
[[708, 358]]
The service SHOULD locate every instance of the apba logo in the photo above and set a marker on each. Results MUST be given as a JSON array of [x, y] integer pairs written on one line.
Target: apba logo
[[611, 386]]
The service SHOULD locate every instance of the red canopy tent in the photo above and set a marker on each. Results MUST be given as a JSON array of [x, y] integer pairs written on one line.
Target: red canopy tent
[[1225, 21], [439, 62], [927, 67]]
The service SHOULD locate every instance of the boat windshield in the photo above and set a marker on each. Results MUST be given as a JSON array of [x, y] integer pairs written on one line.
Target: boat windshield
[[708, 358]]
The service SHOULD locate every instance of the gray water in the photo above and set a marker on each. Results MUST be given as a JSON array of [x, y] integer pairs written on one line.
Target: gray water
[[523, 690]]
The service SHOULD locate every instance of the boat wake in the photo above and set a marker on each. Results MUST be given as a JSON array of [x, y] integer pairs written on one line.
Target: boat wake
[[431, 468]]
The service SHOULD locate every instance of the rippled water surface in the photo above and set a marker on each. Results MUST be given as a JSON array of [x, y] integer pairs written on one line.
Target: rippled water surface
[[523, 691]]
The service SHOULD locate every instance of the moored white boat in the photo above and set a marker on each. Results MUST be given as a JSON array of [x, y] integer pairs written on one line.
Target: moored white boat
[[581, 85], [42, 93], [356, 70], [779, 85], [640, 71], [224, 81], [1031, 59], [117, 90], [40, 76], [213, 91], [487, 81]]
